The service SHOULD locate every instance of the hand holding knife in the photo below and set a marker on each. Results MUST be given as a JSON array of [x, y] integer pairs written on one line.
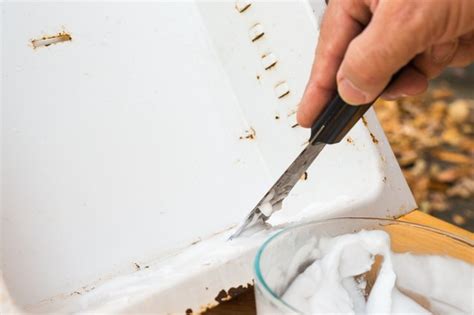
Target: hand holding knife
[[330, 127]]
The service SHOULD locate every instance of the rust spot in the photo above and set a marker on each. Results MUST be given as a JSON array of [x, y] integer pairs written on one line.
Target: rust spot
[[46, 41], [350, 140], [205, 308], [232, 292], [285, 94], [189, 311], [195, 242], [258, 77], [277, 117], [241, 10], [258, 37], [304, 176], [271, 65], [250, 134], [222, 296], [364, 121], [374, 140], [295, 125]]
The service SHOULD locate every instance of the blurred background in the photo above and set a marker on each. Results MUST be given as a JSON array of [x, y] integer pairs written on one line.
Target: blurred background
[[432, 136]]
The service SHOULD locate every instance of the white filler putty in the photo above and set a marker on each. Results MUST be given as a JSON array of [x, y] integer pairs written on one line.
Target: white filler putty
[[435, 284]]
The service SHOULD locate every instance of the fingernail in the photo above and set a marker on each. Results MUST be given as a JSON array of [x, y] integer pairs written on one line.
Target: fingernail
[[350, 93], [443, 53]]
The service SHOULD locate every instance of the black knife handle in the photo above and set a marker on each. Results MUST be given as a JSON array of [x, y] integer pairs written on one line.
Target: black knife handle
[[336, 120]]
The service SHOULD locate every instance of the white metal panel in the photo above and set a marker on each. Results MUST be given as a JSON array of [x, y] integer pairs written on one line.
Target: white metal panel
[[123, 145]]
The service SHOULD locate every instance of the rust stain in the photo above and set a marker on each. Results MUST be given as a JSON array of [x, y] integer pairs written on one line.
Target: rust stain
[[304, 176], [374, 140], [258, 77], [189, 311], [258, 37], [277, 117], [364, 121], [284, 94], [46, 41], [250, 134], [222, 296], [242, 10], [350, 140], [273, 64], [232, 292]]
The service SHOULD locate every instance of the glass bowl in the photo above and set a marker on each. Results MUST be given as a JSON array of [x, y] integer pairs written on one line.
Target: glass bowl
[[285, 255]]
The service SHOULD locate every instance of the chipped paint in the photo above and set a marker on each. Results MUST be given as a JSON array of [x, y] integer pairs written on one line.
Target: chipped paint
[[250, 134], [46, 41]]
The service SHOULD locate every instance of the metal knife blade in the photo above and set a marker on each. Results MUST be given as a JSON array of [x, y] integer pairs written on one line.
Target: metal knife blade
[[272, 200]]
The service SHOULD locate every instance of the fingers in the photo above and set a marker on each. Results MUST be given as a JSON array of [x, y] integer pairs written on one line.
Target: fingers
[[359, 57], [383, 48], [329, 54], [410, 82], [465, 52], [457, 52], [432, 62]]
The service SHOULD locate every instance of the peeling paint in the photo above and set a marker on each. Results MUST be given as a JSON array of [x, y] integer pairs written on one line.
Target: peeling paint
[[250, 134], [46, 41], [364, 120]]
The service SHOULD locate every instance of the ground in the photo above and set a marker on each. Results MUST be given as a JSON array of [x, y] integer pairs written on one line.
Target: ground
[[432, 136]]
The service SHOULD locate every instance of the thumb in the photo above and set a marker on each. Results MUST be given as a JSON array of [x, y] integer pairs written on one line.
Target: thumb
[[392, 38]]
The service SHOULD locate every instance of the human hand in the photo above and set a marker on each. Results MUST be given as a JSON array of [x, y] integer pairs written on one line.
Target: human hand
[[363, 43]]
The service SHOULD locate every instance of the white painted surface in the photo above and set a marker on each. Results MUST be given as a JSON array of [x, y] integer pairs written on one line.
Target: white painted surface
[[123, 146]]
